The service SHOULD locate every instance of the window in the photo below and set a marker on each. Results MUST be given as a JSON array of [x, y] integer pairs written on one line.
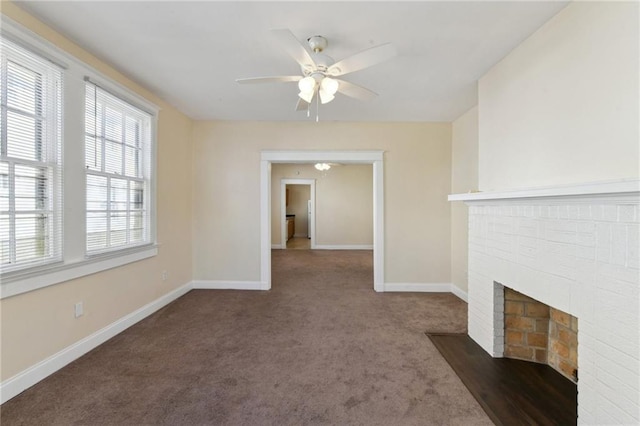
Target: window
[[117, 160], [77, 175], [30, 159]]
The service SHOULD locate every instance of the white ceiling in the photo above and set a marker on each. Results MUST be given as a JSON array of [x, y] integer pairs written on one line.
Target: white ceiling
[[190, 53]]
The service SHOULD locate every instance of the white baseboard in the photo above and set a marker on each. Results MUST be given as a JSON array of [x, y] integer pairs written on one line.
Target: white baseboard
[[426, 288], [343, 247], [460, 293], [300, 236], [278, 247], [229, 285], [32, 375], [418, 287]]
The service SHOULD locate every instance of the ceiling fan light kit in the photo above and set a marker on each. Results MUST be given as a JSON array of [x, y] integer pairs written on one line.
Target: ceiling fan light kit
[[319, 70]]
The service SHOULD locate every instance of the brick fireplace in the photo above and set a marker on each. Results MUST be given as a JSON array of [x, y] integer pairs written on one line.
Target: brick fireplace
[[576, 251]]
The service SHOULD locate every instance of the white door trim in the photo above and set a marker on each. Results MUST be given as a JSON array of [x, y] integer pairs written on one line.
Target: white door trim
[[346, 157], [283, 208]]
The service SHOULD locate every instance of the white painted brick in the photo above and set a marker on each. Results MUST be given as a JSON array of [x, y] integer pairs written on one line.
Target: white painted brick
[[603, 242], [612, 414], [626, 213], [584, 252], [623, 340], [610, 212], [585, 212], [562, 225], [614, 312], [586, 240], [529, 211], [585, 227], [597, 212], [563, 211], [606, 351], [624, 288], [587, 403], [587, 355], [607, 271], [574, 211], [553, 212], [583, 304], [528, 228], [627, 374], [524, 241], [633, 246], [607, 413], [580, 304], [527, 250], [623, 390], [586, 234], [568, 237], [543, 212], [541, 227], [619, 244]]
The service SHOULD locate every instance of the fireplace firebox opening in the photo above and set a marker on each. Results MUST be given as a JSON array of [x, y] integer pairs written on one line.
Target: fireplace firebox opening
[[536, 332]]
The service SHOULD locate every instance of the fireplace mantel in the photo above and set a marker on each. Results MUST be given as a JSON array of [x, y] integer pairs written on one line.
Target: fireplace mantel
[[581, 191]]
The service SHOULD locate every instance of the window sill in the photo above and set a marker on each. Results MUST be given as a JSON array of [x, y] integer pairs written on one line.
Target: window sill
[[19, 283]]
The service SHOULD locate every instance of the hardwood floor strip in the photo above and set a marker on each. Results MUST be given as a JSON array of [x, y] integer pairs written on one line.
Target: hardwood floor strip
[[511, 392]]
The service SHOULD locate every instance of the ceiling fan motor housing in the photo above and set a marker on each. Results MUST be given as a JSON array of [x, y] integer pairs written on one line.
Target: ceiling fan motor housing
[[317, 43], [322, 62]]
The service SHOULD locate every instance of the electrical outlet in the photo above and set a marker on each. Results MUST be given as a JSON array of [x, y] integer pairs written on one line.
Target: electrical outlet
[[164, 275], [78, 309]]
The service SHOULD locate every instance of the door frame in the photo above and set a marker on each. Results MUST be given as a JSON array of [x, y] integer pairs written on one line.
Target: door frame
[[376, 158], [283, 208]]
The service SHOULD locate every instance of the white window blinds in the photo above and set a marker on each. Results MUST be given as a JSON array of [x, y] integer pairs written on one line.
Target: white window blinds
[[30, 159], [118, 162]]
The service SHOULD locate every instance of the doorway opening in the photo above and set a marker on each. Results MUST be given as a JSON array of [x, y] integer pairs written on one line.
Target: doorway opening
[[375, 158], [297, 213]]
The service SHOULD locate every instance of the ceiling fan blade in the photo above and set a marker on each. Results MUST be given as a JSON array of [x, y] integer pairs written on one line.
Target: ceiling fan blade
[[355, 91], [294, 48], [275, 79], [363, 59], [302, 105]]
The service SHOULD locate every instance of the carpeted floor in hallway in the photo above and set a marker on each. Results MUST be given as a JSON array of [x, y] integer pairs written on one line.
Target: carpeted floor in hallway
[[321, 347]]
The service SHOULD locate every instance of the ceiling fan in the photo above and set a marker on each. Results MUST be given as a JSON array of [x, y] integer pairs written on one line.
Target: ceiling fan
[[319, 70]]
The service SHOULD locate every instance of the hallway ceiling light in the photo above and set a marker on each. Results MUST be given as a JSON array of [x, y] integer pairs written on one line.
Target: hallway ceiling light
[[322, 166]]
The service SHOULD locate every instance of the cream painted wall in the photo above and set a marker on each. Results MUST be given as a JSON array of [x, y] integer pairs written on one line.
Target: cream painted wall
[[563, 106], [344, 208], [344, 202], [464, 178], [38, 324], [417, 179], [299, 195]]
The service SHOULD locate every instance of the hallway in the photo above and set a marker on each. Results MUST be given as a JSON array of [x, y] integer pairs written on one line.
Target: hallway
[[299, 243]]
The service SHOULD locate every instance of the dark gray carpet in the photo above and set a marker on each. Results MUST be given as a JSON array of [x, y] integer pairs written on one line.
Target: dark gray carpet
[[320, 348]]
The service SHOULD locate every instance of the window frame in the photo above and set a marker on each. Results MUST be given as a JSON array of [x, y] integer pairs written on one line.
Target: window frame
[[144, 165], [76, 262], [50, 113]]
